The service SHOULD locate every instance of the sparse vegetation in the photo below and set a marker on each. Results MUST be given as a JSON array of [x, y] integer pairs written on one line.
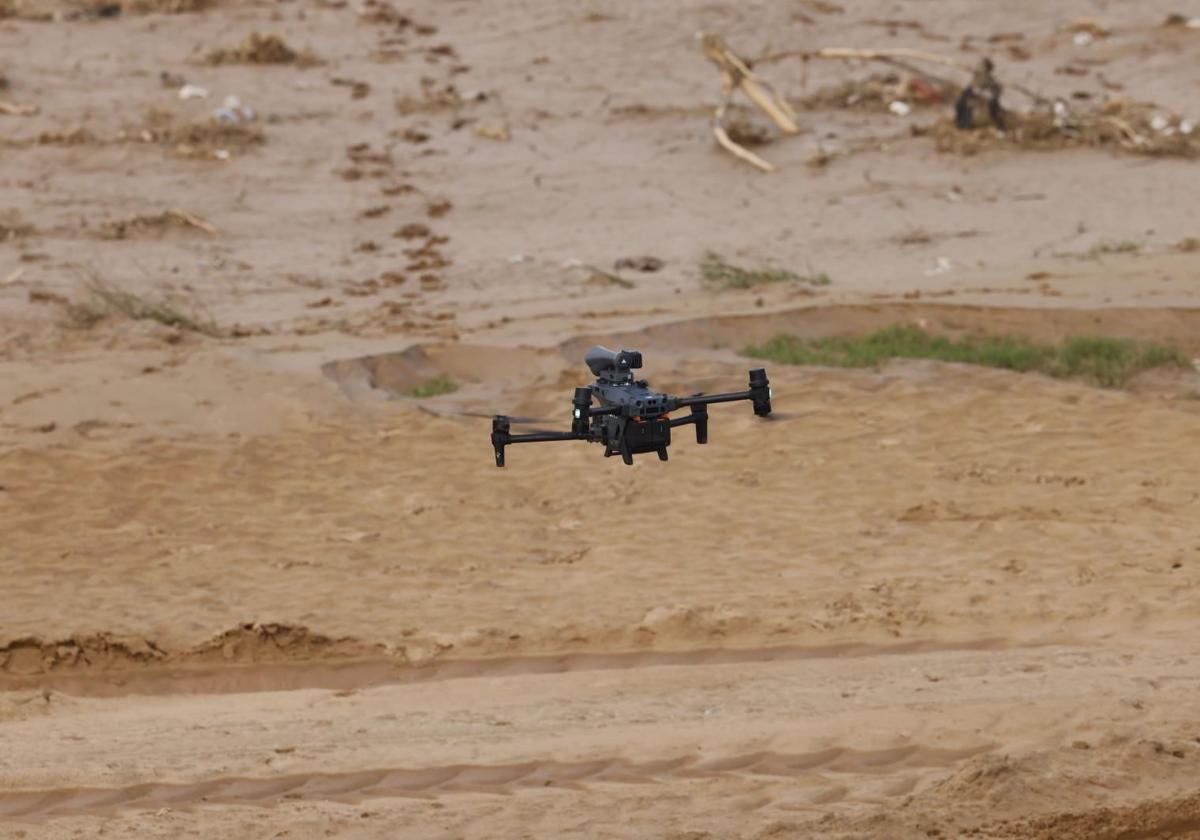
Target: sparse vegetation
[[102, 301], [1124, 246], [263, 48], [435, 387], [601, 277], [1188, 246], [204, 140], [714, 269], [1107, 362]]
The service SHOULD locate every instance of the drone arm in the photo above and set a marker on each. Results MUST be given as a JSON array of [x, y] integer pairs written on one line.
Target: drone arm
[[710, 399], [502, 437], [759, 393]]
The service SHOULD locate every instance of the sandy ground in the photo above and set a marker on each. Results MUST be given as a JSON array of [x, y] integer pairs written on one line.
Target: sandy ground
[[252, 590]]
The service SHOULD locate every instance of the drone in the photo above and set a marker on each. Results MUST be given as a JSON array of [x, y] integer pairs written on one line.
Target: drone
[[630, 419]]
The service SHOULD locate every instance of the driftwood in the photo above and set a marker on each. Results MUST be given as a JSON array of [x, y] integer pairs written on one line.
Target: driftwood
[[1134, 126], [12, 109], [899, 57], [736, 75]]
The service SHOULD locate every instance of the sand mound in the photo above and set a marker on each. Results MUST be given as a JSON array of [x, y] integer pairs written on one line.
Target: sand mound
[[109, 652], [33, 656]]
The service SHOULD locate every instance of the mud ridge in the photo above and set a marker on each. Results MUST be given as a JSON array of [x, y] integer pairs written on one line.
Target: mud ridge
[[467, 778], [179, 675]]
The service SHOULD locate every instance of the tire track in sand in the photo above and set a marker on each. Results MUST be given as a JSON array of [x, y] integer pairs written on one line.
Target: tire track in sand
[[351, 674], [36, 805]]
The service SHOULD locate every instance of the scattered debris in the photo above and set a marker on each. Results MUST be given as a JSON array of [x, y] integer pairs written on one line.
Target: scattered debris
[[263, 48], [1138, 127], [1182, 21], [413, 135], [154, 224], [878, 92], [192, 92], [643, 263], [358, 90], [169, 7], [13, 109], [11, 227], [435, 96], [206, 140], [493, 131], [360, 153], [984, 90], [233, 112], [413, 230]]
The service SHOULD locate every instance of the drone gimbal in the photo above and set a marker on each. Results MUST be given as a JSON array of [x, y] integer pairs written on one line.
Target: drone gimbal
[[630, 418]]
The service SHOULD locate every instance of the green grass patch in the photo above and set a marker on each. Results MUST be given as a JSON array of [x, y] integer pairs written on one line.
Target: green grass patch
[[433, 387], [714, 269], [101, 301], [1107, 362]]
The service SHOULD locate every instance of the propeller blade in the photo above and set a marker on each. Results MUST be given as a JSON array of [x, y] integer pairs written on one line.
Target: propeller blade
[[511, 419]]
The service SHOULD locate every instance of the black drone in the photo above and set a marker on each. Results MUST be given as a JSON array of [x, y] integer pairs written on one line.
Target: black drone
[[630, 418]]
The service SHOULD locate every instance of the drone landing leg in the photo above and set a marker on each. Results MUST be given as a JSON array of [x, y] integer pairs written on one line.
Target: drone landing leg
[[662, 453], [699, 419], [626, 455]]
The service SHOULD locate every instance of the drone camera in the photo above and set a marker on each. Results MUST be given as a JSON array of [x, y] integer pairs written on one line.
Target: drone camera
[[629, 360]]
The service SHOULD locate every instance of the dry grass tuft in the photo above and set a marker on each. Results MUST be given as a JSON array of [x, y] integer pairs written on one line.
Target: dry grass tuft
[[263, 48], [101, 301], [154, 225]]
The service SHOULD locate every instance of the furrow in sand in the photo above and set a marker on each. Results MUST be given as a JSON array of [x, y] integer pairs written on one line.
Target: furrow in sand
[[366, 673]]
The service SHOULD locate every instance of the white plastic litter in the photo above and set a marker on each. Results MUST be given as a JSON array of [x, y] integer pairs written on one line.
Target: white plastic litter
[[233, 112], [1082, 39], [193, 92], [1186, 126], [1159, 123], [900, 109], [943, 265]]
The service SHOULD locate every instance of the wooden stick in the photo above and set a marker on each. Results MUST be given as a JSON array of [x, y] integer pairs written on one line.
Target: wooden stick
[[193, 220], [895, 57], [726, 142], [12, 109], [876, 55], [738, 75]]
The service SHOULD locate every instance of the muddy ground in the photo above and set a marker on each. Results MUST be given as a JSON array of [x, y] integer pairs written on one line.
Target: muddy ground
[[254, 588]]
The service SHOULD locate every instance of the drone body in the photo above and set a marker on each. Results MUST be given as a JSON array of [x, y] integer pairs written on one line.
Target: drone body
[[631, 419]]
